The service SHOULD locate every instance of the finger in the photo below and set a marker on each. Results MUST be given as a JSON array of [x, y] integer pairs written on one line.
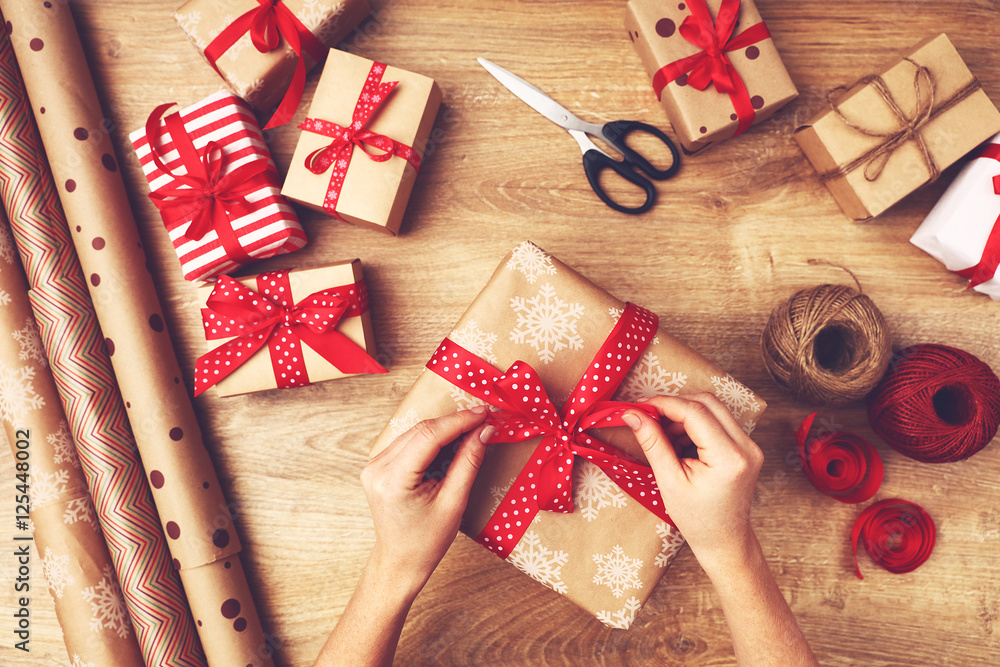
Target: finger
[[722, 413], [701, 424], [430, 436], [655, 445], [457, 484]]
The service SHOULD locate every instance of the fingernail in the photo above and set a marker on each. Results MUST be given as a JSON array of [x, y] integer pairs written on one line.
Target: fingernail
[[486, 433], [478, 409], [642, 400], [632, 420]]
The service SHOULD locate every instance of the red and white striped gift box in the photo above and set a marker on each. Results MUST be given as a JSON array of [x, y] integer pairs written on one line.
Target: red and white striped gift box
[[272, 228]]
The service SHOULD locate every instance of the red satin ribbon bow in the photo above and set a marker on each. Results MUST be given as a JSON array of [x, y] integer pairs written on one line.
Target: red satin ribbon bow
[[338, 153], [990, 260], [203, 195], [711, 64], [898, 535], [267, 24], [268, 316], [526, 412], [841, 465]]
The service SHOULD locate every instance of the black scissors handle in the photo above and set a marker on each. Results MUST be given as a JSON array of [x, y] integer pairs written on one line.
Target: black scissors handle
[[617, 131], [594, 164]]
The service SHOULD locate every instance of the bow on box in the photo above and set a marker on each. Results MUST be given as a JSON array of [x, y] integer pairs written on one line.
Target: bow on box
[[269, 317], [339, 152], [267, 25], [526, 412], [711, 64], [205, 194], [990, 260]]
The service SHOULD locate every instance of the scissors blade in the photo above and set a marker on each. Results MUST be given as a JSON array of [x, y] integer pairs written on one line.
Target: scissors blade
[[533, 97]]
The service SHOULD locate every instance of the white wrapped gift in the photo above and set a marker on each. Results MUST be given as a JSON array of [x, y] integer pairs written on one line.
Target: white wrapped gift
[[957, 229]]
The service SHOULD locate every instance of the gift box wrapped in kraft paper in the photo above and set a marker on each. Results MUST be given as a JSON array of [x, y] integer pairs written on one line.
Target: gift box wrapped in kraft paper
[[962, 231], [361, 143], [215, 148], [713, 65], [286, 329], [263, 48], [890, 133], [550, 350]]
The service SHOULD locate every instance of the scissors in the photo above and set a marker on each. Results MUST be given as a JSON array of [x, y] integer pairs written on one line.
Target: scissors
[[595, 161]]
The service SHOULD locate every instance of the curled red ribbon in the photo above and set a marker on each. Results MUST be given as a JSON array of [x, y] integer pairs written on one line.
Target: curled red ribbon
[[711, 64], [986, 268], [338, 153], [268, 316], [841, 465], [267, 24], [203, 195], [526, 412], [898, 535]]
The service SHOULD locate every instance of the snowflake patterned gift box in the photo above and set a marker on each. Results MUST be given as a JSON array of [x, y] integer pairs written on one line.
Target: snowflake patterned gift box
[[890, 133], [211, 175], [532, 337], [314, 324], [962, 231], [713, 65], [263, 49], [358, 155]]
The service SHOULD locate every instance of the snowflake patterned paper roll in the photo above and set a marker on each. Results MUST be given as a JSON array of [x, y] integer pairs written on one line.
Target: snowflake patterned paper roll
[[538, 310]]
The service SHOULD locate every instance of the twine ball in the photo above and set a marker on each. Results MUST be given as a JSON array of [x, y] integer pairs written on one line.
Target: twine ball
[[937, 404], [828, 345]]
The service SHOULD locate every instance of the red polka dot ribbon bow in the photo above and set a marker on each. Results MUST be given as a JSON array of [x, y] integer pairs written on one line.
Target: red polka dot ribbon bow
[[339, 152], [526, 412], [267, 24], [205, 194], [711, 64], [841, 465], [990, 260], [268, 316]]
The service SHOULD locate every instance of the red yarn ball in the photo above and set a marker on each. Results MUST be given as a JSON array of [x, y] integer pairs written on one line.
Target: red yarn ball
[[936, 404]]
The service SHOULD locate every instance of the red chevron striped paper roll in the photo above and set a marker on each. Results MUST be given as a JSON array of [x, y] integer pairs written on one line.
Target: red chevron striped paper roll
[[68, 542], [193, 511], [272, 228], [85, 381]]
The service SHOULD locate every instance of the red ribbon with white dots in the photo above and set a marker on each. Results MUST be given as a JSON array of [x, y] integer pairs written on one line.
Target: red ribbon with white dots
[[339, 152], [268, 316], [526, 412], [711, 64]]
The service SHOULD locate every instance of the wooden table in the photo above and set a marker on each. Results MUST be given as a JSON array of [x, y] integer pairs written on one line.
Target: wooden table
[[741, 228]]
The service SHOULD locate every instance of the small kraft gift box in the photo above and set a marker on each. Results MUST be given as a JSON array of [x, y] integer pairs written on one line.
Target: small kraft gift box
[[212, 178], [962, 231], [713, 65], [314, 324], [263, 48], [564, 493], [358, 155], [890, 133]]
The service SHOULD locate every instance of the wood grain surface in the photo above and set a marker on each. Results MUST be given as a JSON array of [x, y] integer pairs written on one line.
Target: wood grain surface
[[743, 226]]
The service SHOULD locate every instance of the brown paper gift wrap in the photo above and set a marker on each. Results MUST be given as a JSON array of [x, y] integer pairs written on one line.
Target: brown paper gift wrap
[[257, 374], [608, 554], [701, 117], [262, 78], [374, 194], [873, 165]]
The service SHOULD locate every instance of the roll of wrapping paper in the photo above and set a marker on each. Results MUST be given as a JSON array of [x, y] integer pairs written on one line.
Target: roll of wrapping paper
[[68, 539], [86, 385], [194, 512]]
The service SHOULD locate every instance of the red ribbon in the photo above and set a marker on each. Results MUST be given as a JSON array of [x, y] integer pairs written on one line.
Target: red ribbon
[[267, 24], [990, 260], [339, 152], [841, 465], [711, 64], [526, 412], [206, 195], [269, 316], [898, 535]]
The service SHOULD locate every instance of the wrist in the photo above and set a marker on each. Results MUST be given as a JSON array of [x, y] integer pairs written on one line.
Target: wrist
[[740, 551], [398, 580]]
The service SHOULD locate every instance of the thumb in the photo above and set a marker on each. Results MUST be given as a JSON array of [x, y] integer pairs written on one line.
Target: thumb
[[655, 444], [463, 469]]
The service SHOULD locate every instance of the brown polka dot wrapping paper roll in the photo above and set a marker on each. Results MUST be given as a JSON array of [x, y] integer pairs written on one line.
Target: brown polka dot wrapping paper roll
[[108, 246]]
